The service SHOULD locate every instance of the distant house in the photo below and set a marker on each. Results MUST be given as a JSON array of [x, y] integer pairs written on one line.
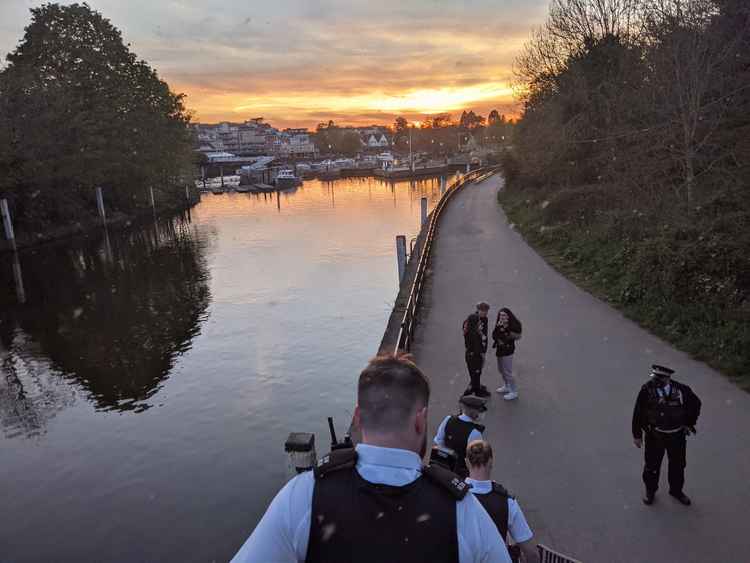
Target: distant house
[[375, 141]]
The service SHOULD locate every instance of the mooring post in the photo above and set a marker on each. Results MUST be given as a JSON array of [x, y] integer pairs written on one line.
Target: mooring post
[[153, 201], [300, 450], [7, 223], [468, 167], [100, 205], [18, 278], [443, 182], [423, 209], [221, 171], [401, 256]]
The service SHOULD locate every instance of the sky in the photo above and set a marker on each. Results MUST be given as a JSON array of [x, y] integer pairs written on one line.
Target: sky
[[300, 62]]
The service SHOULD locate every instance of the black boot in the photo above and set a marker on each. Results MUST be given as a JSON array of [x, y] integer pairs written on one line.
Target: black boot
[[648, 498], [682, 497]]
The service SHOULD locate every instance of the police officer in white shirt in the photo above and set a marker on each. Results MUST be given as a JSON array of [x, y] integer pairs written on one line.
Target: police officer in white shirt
[[500, 505], [456, 431], [378, 502]]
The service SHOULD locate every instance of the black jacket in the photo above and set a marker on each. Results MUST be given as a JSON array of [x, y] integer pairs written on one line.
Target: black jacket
[[645, 402]]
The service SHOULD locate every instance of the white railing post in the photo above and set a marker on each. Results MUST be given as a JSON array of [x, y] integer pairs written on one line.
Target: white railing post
[[423, 210]]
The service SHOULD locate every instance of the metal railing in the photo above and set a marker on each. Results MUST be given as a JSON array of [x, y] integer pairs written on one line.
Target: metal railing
[[409, 320], [547, 555]]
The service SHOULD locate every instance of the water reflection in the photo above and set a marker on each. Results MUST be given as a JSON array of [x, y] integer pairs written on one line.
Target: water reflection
[[290, 293], [111, 315]]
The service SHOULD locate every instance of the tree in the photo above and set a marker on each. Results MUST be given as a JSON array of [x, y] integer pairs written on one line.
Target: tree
[[83, 111], [349, 144]]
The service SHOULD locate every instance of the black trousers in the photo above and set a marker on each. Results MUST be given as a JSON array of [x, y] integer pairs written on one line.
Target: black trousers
[[474, 365], [674, 445]]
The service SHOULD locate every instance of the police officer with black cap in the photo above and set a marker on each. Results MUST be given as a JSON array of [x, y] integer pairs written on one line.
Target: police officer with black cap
[[456, 431], [378, 502], [666, 411]]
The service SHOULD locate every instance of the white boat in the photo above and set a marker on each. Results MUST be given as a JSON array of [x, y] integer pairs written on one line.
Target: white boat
[[287, 179]]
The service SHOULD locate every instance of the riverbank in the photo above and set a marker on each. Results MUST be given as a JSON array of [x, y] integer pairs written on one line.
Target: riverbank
[[678, 276], [115, 220]]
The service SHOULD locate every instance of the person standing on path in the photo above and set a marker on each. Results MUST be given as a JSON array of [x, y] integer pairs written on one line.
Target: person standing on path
[[667, 411], [377, 502], [456, 431], [498, 502], [507, 330], [474, 354], [483, 309]]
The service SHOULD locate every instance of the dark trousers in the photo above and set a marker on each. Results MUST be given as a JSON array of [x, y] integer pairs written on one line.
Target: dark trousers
[[474, 364], [656, 444]]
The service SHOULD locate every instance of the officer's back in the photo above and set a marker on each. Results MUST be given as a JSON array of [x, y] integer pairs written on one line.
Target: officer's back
[[377, 503]]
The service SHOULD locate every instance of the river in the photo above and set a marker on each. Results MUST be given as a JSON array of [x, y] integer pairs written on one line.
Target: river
[[149, 377]]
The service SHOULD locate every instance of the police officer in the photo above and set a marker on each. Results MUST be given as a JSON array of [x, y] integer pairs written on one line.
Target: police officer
[[456, 431], [377, 502], [498, 502], [666, 411]]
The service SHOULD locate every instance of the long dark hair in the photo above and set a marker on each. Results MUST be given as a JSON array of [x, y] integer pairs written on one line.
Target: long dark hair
[[514, 325]]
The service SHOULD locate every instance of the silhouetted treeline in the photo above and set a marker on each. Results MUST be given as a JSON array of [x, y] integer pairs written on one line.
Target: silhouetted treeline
[[632, 161], [79, 110]]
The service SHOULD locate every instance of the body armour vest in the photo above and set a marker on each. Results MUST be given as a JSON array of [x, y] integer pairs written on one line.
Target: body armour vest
[[355, 521], [496, 504], [666, 411], [457, 437]]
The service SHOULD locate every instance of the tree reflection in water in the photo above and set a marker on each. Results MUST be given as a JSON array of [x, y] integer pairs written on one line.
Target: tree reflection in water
[[110, 315]]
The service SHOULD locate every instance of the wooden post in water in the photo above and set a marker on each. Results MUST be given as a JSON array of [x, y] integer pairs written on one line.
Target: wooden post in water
[[401, 256], [221, 171], [18, 278], [7, 223], [100, 205], [423, 210]]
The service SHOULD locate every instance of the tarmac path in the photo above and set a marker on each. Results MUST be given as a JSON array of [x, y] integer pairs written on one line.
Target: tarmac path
[[564, 448]]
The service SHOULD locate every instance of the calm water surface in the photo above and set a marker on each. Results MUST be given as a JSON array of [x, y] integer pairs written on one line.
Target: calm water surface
[[150, 378]]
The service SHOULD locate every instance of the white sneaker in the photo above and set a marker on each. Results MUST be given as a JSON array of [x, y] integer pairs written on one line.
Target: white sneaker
[[511, 396], [503, 390]]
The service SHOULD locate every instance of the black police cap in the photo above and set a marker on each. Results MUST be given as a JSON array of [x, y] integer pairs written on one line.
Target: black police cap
[[661, 371], [473, 402]]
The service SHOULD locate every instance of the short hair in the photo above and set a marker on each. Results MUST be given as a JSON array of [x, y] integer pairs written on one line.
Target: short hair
[[478, 453], [389, 389]]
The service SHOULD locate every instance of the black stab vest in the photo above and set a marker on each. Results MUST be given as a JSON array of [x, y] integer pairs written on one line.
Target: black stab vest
[[496, 504], [355, 521], [666, 412], [457, 433]]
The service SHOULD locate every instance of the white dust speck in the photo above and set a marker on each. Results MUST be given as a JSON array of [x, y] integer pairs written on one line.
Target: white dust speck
[[423, 517], [77, 312], [328, 531], [380, 515]]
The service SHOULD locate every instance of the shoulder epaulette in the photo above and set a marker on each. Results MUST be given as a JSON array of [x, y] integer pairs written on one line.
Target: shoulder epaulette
[[499, 489], [447, 480], [336, 460]]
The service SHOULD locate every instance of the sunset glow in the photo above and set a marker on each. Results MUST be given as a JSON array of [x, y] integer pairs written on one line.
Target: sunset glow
[[298, 63]]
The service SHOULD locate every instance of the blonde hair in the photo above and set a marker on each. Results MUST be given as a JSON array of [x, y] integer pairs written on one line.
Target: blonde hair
[[478, 453]]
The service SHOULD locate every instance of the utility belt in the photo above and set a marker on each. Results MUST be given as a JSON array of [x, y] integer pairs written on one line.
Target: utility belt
[[662, 431]]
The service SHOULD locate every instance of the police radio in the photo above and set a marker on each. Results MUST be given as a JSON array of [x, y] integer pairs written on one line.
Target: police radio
[[335, 444]]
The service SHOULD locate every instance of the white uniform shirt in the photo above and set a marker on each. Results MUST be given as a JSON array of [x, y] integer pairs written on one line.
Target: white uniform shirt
[[518, 528], [440, 436], [283, 533]]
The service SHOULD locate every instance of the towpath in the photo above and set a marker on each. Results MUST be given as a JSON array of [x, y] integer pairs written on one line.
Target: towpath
[[564, 448]]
